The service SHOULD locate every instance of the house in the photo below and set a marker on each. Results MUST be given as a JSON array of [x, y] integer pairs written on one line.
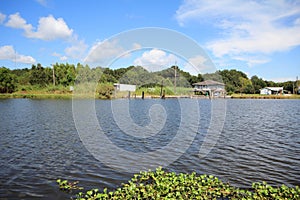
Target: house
[[210, 88], [124, 87], [271, 90]]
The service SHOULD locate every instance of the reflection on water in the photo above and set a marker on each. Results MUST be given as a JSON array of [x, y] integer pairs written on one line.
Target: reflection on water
[[39, 143]]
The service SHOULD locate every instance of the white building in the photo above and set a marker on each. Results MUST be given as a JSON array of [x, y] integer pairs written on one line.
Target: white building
[[124, 87], [271, 90]]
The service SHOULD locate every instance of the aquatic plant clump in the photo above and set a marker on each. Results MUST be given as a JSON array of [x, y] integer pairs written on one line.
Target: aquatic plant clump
[[169, 185]]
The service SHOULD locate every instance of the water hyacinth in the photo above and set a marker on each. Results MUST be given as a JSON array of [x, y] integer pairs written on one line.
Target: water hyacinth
[[169, 185]]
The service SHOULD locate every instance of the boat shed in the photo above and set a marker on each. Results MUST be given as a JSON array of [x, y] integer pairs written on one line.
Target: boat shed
[[210, 88], [271, 90]]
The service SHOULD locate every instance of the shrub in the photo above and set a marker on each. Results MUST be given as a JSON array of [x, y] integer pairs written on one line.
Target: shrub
[[105, 90]]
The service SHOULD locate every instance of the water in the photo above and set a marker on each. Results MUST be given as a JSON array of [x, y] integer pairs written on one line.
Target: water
[[39, 143]]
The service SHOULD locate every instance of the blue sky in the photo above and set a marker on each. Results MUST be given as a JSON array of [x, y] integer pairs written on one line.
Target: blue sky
[[257, 37]]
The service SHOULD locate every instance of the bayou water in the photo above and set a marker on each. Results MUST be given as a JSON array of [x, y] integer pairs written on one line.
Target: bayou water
[[259, 141]]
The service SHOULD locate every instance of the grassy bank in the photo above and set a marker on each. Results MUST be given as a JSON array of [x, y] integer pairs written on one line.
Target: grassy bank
[[259, 96], [106, 91], [36, 96], [50, 96], [59, 92]]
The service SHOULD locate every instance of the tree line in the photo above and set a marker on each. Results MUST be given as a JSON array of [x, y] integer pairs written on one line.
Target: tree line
[[64, 74]]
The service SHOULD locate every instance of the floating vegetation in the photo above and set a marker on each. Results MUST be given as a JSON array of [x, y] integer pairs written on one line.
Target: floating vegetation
[[169, 185], [65, 185]]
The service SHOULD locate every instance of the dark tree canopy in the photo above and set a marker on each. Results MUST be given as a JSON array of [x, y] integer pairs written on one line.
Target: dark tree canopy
[[8, 81]]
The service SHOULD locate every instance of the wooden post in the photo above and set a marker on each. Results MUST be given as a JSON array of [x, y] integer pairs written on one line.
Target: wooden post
[[161, 87], [143, 94], [163, 95], [175, 80], [128, 94]]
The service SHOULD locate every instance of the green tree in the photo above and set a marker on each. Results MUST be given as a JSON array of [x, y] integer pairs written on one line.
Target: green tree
[[288, 85], [23, 76], [232, 79], [271, 84], [7, 81], [65, 74], [216, 76], [140, 76], [40, 76], [107, 76], [84, 73], [118, 73], [246, 86], [258, 84]]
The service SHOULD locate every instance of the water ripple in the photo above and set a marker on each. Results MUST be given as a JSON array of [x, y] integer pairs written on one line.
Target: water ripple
[[39, 143]]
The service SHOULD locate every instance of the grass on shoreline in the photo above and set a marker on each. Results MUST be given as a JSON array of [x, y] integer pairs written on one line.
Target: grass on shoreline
[[36, 96], [64, 93], [259, 96]]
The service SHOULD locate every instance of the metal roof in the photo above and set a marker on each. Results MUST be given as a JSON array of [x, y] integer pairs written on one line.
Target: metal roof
[[209, 82], [273, 88]]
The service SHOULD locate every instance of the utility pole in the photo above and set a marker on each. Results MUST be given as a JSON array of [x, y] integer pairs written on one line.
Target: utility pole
[[297, 86], [53, 75], [175, 77]]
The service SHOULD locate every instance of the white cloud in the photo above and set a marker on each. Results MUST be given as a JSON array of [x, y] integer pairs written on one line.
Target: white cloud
[[63, 58], [155, 60], [16, 21], [281, 79], [247, 27], [251, 60], [8, 53], [297, 21], [197, 65], [48, 28], [42, 2], [136, 46], [55, 54], [2, 17], [103, 51], [77, 49]]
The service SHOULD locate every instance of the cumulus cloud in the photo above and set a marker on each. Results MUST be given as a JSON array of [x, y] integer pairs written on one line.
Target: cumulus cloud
[[16, 21], [61, 57], [155, 60], [2, 17], [48, 28], [8, 53], [197, 65], [77, 49], [103, 51], [247, 27]]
